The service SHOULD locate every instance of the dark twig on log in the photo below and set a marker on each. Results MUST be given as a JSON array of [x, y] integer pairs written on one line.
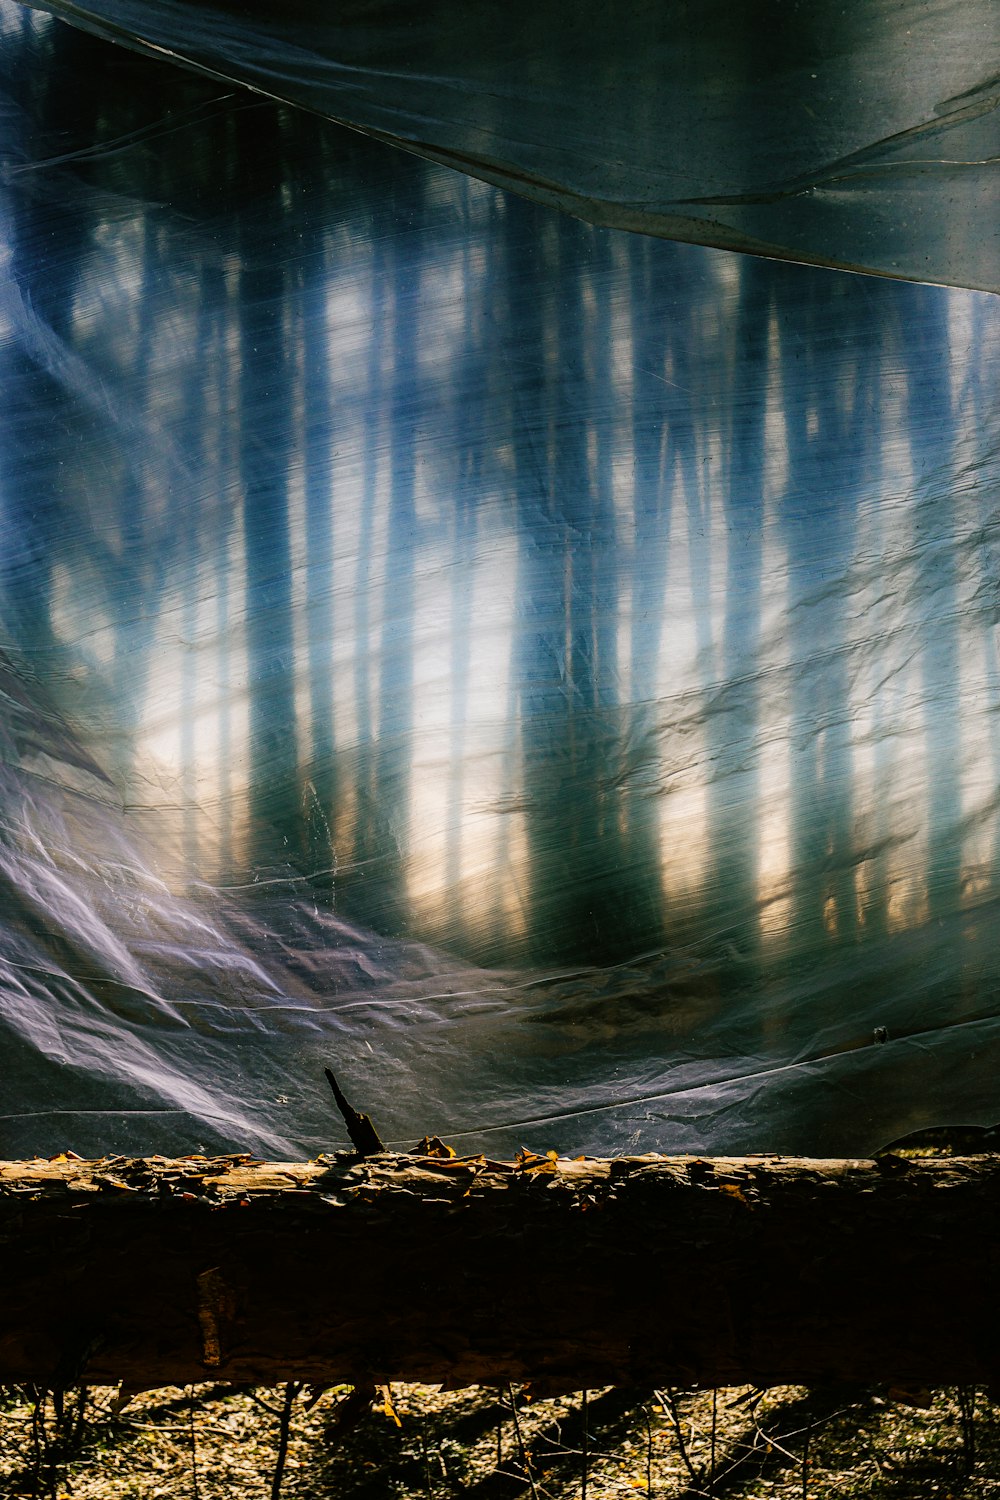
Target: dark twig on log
[[640, 1271], [364, 1136]]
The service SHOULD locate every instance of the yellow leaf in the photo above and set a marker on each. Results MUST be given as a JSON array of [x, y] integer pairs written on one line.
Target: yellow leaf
[[530, 1161], [433, 1145], [386, 1393]]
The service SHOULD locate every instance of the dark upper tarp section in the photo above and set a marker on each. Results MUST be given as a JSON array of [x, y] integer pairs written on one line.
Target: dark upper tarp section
[[862, 135]]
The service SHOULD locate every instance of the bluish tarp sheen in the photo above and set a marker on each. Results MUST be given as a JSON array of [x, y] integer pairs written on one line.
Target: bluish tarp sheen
[[546, 673], [863, 135]]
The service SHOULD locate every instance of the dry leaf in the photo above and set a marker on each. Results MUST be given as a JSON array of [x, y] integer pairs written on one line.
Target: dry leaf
[[386, 1393], [433, 1145], [530, 1161]]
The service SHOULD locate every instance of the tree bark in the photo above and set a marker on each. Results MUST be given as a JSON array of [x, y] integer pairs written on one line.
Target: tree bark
[[567, 1274]]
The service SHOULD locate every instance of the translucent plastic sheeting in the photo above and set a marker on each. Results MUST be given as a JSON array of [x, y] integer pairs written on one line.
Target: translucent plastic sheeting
[[857, 133], [548, 674]]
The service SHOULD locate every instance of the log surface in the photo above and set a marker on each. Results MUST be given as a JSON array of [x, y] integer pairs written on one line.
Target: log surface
[[568, 1274]]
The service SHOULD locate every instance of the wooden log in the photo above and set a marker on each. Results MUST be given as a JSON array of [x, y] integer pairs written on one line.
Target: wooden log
[[568, 1274]]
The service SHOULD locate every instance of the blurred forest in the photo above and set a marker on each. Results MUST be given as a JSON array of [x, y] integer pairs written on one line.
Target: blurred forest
[[556, 600]]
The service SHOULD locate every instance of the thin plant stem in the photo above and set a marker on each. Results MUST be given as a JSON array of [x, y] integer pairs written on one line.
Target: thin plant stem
[[38, 1436], [585, 1447], [715, 1413], [426, 1457], [669, 1402], [967, 1412], [258, 1400], [284, 1429], [43, 1445], [80, 1416], [194, 1444], [522, 1452]]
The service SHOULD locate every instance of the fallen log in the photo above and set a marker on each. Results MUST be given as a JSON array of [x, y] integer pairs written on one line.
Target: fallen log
[[567, 1274]]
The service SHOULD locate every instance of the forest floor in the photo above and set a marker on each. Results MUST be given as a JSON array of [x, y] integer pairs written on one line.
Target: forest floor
[[210, 1442]]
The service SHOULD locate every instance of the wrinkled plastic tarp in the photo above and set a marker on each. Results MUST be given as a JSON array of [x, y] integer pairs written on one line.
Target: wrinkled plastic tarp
[[546, 673], [863, 134]]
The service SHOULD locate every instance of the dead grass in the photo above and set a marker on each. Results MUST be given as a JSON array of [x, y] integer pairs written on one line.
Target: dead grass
[[208, 1442]]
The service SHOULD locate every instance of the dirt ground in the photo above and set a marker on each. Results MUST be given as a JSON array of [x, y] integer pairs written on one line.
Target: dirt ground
[[207, 1442]]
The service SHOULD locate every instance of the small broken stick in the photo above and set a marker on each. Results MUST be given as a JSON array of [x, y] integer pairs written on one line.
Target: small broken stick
[[364, 1136]]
